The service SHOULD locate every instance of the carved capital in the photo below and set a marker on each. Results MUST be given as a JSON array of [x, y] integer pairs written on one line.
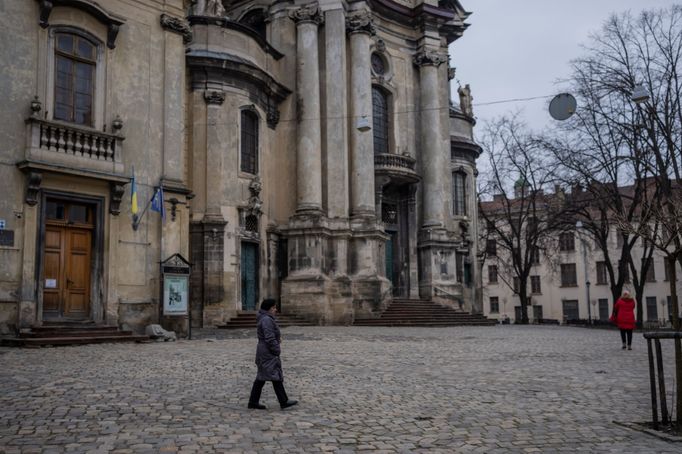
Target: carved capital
[[214, 97], [116, 191], [361, 22], [429, 58], [33, 187], [307, 14], [177, 25]]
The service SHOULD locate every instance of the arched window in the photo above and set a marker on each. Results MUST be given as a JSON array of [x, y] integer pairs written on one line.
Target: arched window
[[256, 20], [459, 206], [249, 144], [74, 85], [380, 122]]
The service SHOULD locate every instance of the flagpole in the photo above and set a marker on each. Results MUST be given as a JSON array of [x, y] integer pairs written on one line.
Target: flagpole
[[137, 219]]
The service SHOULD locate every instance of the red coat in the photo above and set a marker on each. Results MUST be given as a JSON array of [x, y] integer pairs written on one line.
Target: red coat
[[624, 310]]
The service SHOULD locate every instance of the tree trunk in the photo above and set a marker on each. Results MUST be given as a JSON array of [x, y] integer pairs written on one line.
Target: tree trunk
[[678, 343]]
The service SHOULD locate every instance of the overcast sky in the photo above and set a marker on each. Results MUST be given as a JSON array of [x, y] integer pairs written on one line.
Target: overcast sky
[[520, 49]]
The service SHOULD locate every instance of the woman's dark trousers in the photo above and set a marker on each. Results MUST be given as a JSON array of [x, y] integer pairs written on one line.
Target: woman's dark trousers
[[624, 333], [279, 391]]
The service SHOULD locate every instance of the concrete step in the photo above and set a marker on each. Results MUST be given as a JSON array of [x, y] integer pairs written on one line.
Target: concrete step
[[406, 312]]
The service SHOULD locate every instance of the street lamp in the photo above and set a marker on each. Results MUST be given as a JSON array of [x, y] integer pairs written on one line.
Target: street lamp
[[589, 310]]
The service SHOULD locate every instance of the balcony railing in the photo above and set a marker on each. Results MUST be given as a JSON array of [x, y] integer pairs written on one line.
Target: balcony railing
[[399, 168], [75, 146], [394, 160]]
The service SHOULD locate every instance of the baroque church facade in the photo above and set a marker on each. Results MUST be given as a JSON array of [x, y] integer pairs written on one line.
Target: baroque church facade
[[306, 151]]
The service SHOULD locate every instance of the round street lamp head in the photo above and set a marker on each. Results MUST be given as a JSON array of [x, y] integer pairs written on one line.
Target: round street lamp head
[[562, 106], [639, 94]]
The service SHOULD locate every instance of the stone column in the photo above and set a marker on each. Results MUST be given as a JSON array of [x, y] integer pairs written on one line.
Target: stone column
[[432, 155], [361, 28], [309, 143], [336, 113]]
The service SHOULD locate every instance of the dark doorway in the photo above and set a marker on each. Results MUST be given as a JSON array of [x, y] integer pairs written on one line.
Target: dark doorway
[[249, 268], [394, 214]]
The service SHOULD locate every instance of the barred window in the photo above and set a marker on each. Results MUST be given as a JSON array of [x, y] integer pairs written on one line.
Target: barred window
[[459, 179], [535, 255], [571, 310], [650, 271], [651, 308], [249, 145], [74, 83], [380, 120], [491, 247]]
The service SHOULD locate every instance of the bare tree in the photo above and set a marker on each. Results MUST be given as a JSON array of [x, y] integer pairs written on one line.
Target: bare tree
[[517, 213], [631, 87]]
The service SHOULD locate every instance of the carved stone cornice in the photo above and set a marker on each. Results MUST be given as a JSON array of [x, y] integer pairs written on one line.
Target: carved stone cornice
[[307, 14], [429, 58], [177, 25], [214, 97], [361, 22], [116, 191], [112, 21]]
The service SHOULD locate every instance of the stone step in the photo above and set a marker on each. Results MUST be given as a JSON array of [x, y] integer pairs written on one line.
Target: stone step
[[65, 340], [74, 333], [248, 320], [407, 312]]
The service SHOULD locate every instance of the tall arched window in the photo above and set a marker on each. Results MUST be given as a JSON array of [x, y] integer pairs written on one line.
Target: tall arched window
[[249, 145], [459, 206], [74, 86], [380, 122]]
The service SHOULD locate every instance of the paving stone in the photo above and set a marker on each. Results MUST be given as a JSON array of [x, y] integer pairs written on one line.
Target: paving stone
[[510, 389]]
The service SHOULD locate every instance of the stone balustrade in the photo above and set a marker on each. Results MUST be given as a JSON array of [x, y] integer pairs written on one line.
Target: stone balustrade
[[394, 160], [398, 168], [76, 146]]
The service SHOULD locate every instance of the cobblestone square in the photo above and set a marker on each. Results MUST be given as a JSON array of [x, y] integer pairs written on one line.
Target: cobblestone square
[[504, 389]]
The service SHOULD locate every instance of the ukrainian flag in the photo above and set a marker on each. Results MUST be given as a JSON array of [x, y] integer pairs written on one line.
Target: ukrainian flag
[[133, 195]]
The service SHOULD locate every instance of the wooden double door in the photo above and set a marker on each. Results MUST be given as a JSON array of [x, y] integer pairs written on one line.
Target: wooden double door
[[67, 261]]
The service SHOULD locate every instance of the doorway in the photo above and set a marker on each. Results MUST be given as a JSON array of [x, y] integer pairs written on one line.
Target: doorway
[[67, 260], [249, 275]]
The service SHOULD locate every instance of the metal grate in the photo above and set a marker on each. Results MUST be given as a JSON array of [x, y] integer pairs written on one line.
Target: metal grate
[[251, 223], [389, 213]]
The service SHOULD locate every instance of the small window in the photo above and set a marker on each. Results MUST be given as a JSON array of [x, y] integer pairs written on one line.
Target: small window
[[492, 274], [491, 248], [666, 269], [249, 144], [516, 284], [494, 305], [602, 273], [74, 85], [566, 242], [651, 308], [650, 271], [380, 120], [55, 210], [459, 207], [603, 309], [535, 255], [535, 286], [568, 275]]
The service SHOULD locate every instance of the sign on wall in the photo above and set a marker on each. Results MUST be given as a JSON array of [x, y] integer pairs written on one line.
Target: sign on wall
[[175, 294]]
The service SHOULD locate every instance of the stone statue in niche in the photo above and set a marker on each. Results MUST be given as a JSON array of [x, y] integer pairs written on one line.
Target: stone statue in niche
[[213, 8], [466, 100]]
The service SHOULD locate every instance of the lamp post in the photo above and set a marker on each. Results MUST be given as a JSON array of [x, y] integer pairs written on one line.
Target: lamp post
[[589, 307]]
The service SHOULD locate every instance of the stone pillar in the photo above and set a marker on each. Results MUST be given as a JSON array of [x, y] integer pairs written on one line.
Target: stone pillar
[[433, 156], [28, 310], [336, 112], [309, 143], [213, 223], [361, 28]]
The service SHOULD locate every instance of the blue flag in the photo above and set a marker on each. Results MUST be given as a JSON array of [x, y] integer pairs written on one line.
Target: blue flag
[[157, 202]]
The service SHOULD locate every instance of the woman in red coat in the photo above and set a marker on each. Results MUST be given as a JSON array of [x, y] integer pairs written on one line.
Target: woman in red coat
[[624, 317]]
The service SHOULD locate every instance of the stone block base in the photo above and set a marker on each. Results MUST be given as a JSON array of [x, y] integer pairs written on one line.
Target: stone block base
[[371, 296], [318, 298], [136, 315]]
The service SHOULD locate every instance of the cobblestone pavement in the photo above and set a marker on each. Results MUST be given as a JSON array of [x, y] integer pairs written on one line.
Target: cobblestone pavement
[[503, 389]]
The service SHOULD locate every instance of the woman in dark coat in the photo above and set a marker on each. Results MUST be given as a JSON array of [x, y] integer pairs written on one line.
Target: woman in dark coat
[[624, 317], [267, 358]]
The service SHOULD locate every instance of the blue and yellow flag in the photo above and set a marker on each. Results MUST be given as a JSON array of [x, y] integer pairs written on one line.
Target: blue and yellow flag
[[133, 195], [157, 202]]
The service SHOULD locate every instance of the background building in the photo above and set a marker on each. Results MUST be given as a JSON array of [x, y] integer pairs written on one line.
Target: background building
[[307, 151], [569, 279]]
